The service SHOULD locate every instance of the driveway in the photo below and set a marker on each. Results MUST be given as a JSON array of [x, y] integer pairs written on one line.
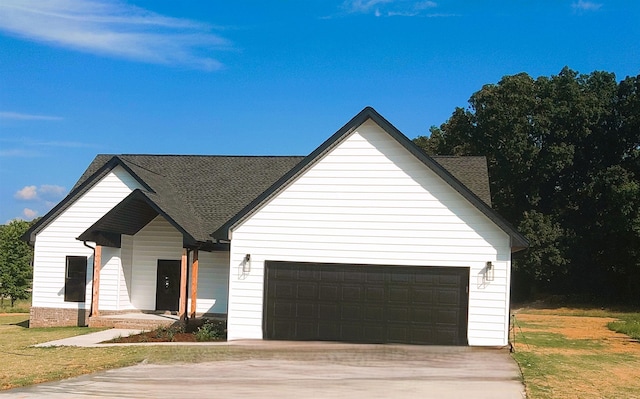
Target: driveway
[[308, 370]]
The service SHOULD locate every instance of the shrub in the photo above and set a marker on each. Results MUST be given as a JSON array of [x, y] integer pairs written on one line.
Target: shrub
[[210, 331]]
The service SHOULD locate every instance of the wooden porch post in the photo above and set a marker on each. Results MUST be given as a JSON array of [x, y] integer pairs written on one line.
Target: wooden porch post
[[182, 308], [95, 292], [194, 283]]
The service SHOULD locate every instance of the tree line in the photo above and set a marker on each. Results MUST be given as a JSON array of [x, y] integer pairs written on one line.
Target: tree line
[[16, 272], [563, 154]]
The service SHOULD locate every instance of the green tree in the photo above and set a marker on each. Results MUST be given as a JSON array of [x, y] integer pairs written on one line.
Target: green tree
[[15, 262], [564, 159]]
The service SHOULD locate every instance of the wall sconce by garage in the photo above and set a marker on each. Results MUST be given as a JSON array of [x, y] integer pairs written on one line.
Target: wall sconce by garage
[[489, 272], [246, 264]]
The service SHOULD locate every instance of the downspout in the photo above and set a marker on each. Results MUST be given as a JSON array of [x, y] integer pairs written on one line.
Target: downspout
[[93, 249]]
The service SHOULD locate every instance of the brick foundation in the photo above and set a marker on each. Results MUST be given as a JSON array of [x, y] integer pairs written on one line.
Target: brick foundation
[[58, 317]]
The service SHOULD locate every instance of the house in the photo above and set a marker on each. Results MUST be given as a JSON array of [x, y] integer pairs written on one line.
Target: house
[[367, 239]]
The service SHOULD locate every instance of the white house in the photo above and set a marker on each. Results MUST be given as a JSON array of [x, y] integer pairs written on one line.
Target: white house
[[367, 239]]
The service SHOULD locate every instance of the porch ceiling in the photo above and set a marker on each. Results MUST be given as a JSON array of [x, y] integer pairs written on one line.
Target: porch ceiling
[[128, 217]]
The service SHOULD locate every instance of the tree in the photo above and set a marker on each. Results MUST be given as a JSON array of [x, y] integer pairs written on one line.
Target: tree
[[564, 158], [15, 262]]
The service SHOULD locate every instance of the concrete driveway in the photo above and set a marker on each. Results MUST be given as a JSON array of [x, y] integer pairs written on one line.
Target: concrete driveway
[[308, 370]]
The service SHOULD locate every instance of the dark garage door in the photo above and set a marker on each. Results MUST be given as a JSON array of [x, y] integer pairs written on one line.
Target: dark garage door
[[365, 303]]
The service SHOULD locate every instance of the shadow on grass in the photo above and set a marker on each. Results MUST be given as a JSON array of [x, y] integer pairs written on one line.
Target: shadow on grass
[[23, 324]]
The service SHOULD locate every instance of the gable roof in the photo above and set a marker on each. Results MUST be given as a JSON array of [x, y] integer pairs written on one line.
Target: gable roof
[[518, 242], [205, 196], [196, 194]]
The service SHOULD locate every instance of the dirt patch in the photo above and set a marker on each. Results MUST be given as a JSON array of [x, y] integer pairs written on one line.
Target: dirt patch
[[595, 362], [152, 336], [581, 328]]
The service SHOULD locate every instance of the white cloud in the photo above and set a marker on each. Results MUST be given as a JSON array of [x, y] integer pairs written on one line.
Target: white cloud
[[29, 213], [42, 193], [389, 8], [27, 193], [582, 5], [51, 190], [114, 29], [27, 117]]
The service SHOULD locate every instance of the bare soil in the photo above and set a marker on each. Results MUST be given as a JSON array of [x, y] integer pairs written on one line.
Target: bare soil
[[152, 336], [611, 370]]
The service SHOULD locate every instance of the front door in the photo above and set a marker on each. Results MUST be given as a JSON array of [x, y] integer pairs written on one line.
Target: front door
[[168, 285]]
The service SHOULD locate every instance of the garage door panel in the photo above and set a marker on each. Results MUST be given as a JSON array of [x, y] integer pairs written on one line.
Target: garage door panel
[[451, 280], [332, 276], [329, 293], [422, 315], [352, 293], [349, 312], [365, 303], [306, 310], [307, 291], [399, 294], [328, 311], [284, 309], [374, 313], [375, 294], [422, 295], [284, 290]]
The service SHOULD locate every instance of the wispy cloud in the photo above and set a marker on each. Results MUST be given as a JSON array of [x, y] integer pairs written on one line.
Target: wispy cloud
[[30, 148], [582, 5], [114, 29], [27, 117], [390, 8]]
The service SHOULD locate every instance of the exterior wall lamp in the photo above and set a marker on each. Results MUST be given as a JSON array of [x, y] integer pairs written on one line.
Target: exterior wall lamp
[[246, 264], [489, 272]]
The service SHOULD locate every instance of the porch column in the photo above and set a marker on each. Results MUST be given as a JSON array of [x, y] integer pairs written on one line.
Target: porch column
[[194, 283], [95, 292], [182, 308]]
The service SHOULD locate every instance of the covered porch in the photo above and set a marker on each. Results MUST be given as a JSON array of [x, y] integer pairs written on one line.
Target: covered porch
[[149, 272]]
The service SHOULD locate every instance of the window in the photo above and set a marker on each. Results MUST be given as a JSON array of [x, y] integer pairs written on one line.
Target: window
[[75, 279]]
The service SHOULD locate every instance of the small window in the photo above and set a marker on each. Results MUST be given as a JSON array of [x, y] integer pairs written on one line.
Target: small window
[[75, 280]]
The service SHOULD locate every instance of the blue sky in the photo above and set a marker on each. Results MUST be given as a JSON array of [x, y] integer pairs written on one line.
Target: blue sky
[[262, 77]]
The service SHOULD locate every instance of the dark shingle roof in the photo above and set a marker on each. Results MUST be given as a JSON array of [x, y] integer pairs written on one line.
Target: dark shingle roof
[[205, 195], [471, 171]]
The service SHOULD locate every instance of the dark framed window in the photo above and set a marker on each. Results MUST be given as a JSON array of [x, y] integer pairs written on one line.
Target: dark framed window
[[75, 279]]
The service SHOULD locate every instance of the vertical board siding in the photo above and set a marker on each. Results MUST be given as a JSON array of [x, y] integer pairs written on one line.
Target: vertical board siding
[[369, 201], [157, 240], [58, 239], [213, 282]]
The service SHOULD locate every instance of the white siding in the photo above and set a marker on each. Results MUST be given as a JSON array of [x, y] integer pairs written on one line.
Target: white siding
[[110, 279], [58, 240], [157, 240], [369, 201], [125, 276], [213, 282]]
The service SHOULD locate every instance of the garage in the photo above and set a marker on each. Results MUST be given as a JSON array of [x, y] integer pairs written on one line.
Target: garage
[[365, 303]]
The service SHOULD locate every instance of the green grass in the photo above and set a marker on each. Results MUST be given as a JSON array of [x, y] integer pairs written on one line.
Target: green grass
[[20, 306], [628, 324], [554, 340]]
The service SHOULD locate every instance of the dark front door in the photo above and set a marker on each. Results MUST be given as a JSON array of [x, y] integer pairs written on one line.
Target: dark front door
[[366, 303], [168, 285]]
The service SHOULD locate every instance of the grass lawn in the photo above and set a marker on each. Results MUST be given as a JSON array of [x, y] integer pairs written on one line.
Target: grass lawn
[[25, 365], [570, 353], [563, 353]]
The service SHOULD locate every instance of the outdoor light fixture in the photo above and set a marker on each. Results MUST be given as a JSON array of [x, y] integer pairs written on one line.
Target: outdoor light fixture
[[246, 264], [489, 272]]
